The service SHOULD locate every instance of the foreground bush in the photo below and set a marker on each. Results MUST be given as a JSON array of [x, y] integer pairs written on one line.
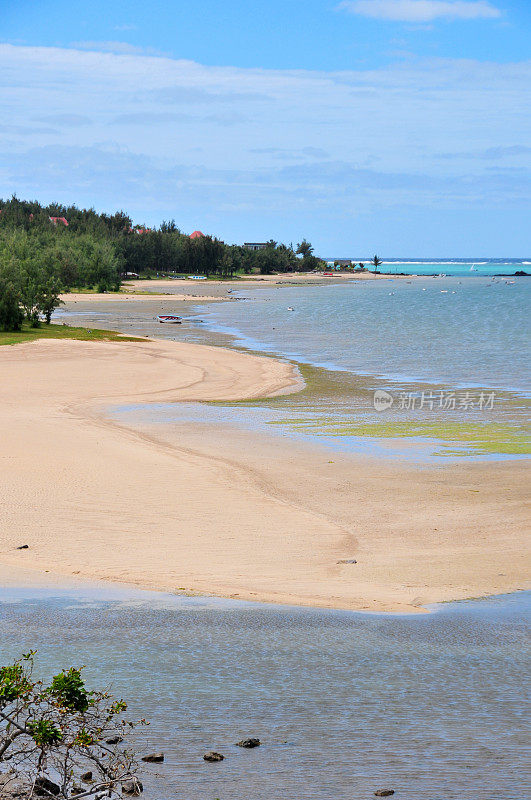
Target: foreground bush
[[61, 740]]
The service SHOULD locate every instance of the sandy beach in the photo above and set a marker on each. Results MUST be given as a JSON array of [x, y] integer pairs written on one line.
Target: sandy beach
[[183, 289], [200, 509]]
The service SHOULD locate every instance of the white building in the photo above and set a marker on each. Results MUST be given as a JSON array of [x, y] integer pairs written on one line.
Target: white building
[[255, 245]]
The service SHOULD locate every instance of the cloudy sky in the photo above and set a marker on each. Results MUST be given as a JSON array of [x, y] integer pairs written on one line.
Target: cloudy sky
[[397, 126]]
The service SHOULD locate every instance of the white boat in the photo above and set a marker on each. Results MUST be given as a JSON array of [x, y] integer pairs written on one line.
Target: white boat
[[171, 318]]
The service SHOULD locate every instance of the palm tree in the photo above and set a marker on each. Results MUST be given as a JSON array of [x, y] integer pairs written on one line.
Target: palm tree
[[376, 262]]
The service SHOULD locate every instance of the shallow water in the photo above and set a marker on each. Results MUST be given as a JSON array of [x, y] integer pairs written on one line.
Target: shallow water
[[345, 703], [423, 342], [462, 332]]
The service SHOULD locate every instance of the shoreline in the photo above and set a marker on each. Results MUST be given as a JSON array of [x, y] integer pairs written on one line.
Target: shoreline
[[185, 289], [292, 558], [22, 584]]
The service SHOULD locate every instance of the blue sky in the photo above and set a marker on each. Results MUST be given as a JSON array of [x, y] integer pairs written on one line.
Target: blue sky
[[397, 126]]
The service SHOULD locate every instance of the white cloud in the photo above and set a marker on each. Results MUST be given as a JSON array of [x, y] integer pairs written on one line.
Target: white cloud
[[166, 138], [421, 10], [123, 48]]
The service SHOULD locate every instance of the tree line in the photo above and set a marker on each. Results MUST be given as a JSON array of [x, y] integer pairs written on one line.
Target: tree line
[[46, 250]]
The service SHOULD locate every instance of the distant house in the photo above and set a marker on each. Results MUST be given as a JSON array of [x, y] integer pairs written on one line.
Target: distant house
[[197, 235], [255, 245], [55, 220]]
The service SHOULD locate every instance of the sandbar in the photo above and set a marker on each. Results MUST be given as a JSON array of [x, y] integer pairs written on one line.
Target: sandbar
[[200, 509]]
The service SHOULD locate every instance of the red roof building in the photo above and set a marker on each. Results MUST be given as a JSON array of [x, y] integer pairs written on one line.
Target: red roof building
[[55, 220], [197, 235]]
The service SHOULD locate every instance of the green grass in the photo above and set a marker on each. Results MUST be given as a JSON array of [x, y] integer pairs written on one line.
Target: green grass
[[52, 331], [122, 290], [89, 290]]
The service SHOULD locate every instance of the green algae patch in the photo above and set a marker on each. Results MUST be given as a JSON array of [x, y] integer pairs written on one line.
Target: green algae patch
[[321, 388], [28, 334], [340, 404], [471, 438]]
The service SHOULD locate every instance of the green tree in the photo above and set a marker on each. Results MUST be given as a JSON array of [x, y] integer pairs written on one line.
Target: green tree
[[11, 314], [31, 284], [99, 263], [49, 298], [50, 734], [96, 250], [266, 260], [304, 249], [309, 262]]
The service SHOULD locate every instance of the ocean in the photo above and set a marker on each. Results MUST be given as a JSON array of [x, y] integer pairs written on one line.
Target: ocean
[[344, 703], [459, 267], [464, 332]]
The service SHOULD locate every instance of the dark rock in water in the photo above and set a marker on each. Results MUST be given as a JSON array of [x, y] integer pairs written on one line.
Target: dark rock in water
[[384, 793], [132, 787], [114, 740], [23, 547], [45, 787], [86, 776], [248, 743], [213, 756], [154, 758]]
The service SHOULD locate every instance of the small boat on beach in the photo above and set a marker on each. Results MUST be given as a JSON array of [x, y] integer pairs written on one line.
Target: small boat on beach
[[169, 318]]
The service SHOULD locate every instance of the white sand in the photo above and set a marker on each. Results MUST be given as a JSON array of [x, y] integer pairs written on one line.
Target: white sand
[[197, 509]]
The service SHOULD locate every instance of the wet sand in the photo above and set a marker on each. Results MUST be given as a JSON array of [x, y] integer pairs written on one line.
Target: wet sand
[[184, 289], [219, 287], [201, 509]]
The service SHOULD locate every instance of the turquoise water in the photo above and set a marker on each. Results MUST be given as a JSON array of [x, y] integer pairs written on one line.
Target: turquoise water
[[449, 267], [462, 332], [344, 703]]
